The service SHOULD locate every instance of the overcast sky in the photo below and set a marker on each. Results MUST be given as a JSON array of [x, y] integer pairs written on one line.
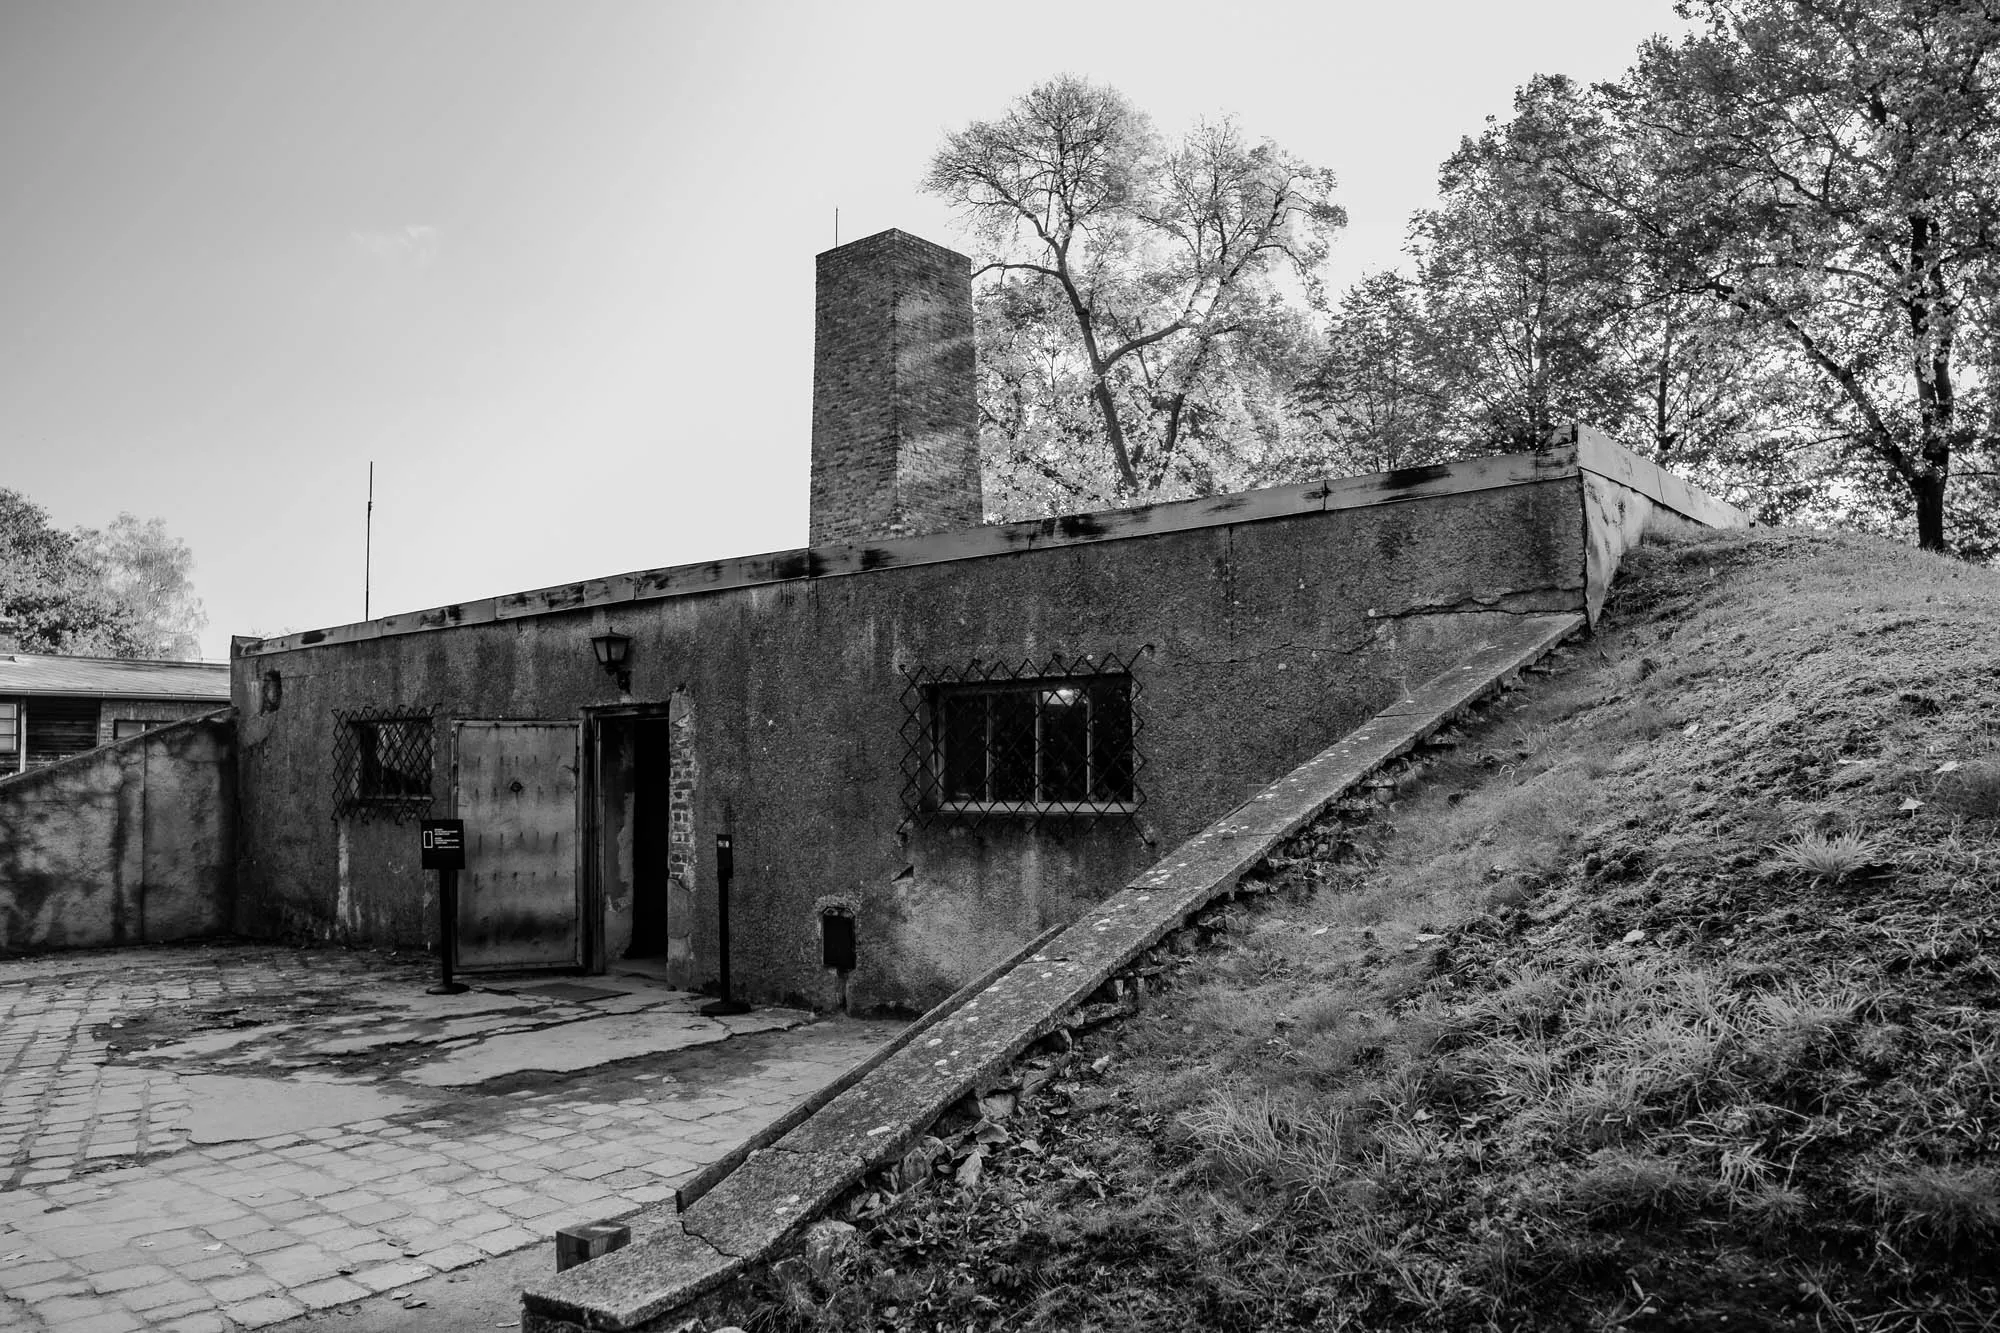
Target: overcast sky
[[550, 264]]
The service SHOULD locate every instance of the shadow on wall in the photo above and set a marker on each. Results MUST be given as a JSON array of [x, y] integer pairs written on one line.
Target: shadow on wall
[[130, 843]]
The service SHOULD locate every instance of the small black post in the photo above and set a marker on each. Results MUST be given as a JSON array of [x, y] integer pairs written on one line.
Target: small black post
[[725, 868], [443, 850], [447, 934]]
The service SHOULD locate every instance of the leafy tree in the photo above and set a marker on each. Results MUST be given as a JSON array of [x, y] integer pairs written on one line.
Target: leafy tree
[[1521, 295], [1544, 302], [1140, 320], [48, 596], [1374, 394], [118, 594], [145, 571], [1830, 169]]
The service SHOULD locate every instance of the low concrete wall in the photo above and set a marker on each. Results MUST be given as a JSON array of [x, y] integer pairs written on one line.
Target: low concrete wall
[[1624, 497], [130, 843]]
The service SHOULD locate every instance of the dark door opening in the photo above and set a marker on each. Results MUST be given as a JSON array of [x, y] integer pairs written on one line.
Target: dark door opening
[[836, 941], [652, 823]]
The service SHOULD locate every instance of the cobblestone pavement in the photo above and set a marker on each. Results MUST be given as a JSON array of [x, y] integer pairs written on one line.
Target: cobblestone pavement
[[127, 1201]]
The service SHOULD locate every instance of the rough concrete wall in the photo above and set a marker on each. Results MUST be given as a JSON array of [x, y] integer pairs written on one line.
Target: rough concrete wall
[[895, 427], [129, 844], [1624, 497], [1617, 517], [1257, 643]]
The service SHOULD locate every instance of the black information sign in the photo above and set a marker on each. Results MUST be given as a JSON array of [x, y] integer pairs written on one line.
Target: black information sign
[[444, 844], [443, 849]]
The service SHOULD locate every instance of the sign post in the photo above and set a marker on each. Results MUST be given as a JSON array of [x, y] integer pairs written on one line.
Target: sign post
[[725, 868], [444, 851]]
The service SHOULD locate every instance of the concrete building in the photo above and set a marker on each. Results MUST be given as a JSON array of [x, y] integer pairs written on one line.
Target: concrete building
[[54, 707], [926, 740]]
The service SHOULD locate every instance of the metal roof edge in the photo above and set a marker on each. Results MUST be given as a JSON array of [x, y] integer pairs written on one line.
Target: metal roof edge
[[12, 692], [174, 663]]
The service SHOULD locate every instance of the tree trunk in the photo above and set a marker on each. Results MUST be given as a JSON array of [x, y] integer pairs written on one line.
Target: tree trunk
[[1928, 487], [1930, 346], [1100, 389], [1114, 432], [1662, 387]]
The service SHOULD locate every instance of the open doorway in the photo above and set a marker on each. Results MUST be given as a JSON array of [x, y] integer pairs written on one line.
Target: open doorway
[[651, 823], [632, 852]]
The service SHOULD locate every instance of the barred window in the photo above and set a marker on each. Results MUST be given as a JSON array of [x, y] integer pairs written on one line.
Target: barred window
[[382, 762], [1041, 743], [1011, 741]]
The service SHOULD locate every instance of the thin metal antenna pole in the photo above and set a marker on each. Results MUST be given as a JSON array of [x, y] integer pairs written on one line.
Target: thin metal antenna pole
[[836, 226], [368, 545]]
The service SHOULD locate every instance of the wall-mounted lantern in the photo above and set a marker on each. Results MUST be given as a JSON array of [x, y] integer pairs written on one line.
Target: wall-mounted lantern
[[612, 648]]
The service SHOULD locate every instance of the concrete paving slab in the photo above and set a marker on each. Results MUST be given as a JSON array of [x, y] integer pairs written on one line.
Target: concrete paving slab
[[215, 1043], [222, 1109], [434, 1031], [586, 1042]]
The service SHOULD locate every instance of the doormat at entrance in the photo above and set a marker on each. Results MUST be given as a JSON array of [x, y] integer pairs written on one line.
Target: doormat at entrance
[[570, 990]]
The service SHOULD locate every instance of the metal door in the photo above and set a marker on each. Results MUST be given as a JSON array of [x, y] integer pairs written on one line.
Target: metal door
[[520, 902]]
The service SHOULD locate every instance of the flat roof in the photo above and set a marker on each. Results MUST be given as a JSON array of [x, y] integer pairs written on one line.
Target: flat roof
[[113, 677], [645, 585], [1587, 449]]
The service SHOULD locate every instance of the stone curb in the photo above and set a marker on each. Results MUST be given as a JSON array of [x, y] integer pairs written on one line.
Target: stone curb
[[712, 1175], [869, 1119]]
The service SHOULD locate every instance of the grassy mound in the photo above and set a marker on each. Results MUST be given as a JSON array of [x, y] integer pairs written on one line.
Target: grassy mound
[[1666, 999]]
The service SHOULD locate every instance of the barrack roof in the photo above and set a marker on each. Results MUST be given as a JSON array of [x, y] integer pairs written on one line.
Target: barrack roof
[[112, 677]]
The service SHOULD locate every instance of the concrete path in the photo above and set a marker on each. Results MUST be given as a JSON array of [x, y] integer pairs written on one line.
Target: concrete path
[[216, 1138]]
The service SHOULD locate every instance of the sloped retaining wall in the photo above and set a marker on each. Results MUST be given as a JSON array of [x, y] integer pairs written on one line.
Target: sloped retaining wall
[[130, 843], [1626, 496]]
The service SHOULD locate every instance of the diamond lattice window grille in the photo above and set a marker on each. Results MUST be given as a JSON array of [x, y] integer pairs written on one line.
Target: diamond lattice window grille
[[382, 762], [1023, 742]]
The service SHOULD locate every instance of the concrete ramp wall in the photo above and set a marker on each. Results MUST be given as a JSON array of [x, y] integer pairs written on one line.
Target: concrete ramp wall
[[130, 843], [1624, 497]]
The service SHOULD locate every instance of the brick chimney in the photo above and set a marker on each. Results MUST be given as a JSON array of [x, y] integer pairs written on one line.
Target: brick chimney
[[895, 427]]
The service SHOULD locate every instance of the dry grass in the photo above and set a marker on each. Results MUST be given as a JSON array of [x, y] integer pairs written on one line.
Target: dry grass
[[1831, 859], [1668, 1001]]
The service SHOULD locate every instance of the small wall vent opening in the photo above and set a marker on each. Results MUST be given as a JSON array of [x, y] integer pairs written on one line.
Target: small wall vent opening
[[836, 940]]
